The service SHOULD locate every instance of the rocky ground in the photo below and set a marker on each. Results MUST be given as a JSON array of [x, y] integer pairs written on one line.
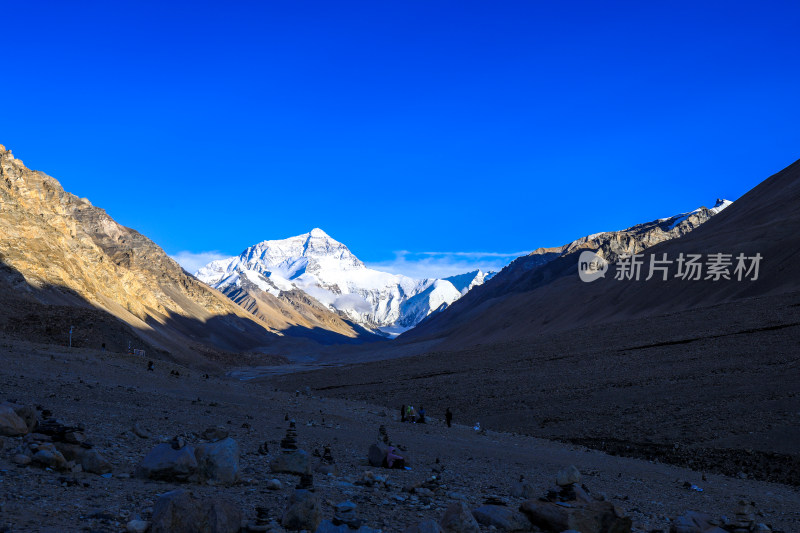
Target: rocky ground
[[715, 388], [126, 411]]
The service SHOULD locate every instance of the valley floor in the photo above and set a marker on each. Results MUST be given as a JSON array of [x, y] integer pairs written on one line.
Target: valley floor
[[109, 393]]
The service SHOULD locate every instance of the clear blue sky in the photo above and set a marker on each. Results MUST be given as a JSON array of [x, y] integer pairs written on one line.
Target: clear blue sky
[[424, 126]]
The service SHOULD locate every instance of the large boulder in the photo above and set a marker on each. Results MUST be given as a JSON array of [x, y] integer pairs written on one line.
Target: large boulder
[[303, 512], [90, 459], [11, 424], [168, 464], [295, 462], [594, 517], [458, 519], [181, 512], [377, 453], [218, 462], [501, 517]]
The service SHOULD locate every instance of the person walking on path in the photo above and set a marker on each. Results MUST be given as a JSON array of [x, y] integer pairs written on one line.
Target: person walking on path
[[448, 417], [403, 413]]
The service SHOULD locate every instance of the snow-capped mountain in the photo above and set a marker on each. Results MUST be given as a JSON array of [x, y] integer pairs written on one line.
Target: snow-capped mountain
[[326, 270]]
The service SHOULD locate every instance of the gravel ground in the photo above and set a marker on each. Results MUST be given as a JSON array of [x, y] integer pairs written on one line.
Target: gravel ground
[[109, 393]]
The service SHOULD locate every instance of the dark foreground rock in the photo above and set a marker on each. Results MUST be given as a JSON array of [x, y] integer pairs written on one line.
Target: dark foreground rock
[[303, 512], [594, 517], [179, 511], [168, 464], [458, 519], [501, 517]]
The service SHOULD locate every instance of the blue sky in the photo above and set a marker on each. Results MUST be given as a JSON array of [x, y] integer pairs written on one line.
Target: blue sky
[[422, 134]]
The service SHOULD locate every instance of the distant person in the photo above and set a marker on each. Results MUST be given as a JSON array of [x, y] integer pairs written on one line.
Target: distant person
[[421, 415], [393, 460], [150, 366], [403, 413], [448, 417], [413, 414], [104, 347]]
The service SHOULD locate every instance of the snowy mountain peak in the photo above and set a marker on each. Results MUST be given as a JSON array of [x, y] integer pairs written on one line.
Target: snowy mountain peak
[[325, 269], [465, 282], [720, 205]]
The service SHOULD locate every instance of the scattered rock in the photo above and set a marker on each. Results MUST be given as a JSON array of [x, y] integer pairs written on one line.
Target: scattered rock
[[214, 434], [274, 484], [326, 526], [458, 519], [140, 432], [21, 459], [303, 512], [426, 526], [137, 526], [181, 512], [47, 455]]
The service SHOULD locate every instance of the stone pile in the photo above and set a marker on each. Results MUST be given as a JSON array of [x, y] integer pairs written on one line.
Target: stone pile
[[327, 465], [383, 435], [306, 482], [50, 443], [570, 507], [291, 459]]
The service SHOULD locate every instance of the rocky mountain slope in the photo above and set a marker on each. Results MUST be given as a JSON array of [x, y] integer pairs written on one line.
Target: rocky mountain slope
[[528, 272], [60, 250], [326, 270]]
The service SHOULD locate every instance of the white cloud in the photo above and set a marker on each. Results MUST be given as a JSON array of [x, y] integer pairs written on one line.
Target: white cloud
[[443, 264], [193, 261]]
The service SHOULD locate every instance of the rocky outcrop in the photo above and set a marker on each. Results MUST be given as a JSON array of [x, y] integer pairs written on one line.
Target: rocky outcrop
[[60, 250]]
